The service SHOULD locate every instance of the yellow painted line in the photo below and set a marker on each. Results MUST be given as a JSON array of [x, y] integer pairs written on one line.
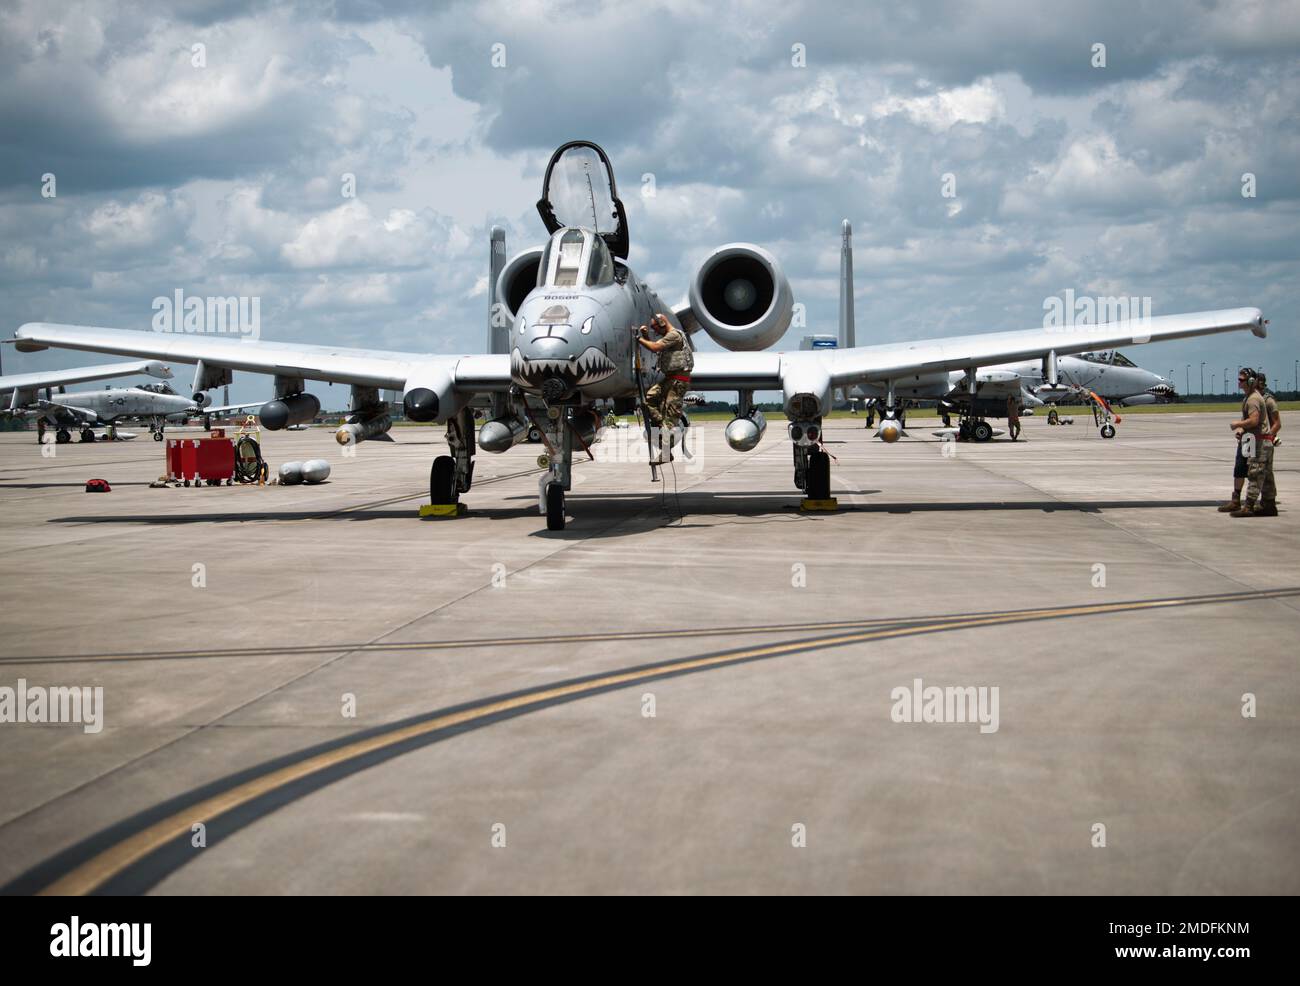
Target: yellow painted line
[[104, 866]]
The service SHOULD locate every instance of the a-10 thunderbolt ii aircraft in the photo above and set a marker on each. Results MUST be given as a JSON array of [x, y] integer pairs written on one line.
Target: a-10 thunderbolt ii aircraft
[[1109, 374], [984, 392], [20, 393], [560, 330], [154, 404]]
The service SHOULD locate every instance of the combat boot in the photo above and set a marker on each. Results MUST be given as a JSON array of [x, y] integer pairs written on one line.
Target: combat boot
[[1247, 509], [1267, 508], [1230, 506]]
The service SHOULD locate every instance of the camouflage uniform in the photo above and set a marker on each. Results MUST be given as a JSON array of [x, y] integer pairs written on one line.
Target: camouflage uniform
[[1268, 493], [1258, 448], [664, 399]]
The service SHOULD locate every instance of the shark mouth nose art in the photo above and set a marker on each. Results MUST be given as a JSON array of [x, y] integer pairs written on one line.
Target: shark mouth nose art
[[577, 371]]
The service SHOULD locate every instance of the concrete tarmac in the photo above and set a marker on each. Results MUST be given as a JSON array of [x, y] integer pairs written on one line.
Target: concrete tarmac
[[692, 688]]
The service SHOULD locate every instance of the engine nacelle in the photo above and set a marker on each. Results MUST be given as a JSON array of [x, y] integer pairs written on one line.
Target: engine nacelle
[[518, 277], [296, 409], [744, 434], [431, 396], [741, 298]]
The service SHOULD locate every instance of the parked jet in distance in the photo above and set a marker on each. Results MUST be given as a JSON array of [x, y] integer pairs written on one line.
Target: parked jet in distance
[[86, 410], [1110, 374], [561, 322], [20, 393]]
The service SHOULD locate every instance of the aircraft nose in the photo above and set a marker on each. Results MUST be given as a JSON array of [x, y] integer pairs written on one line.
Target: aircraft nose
[[562, 342]]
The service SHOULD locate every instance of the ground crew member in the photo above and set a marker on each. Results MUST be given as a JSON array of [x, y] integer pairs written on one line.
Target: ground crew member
[[1013, 418], [676, 360], [1256, 445], [1268, 497], [1240, 466]]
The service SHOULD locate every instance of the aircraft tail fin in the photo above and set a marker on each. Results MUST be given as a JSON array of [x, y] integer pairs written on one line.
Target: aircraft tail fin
[[847, 339], [498, 340]]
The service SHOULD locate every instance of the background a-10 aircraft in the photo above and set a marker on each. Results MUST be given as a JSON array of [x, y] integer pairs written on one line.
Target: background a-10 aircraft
[[561, 349], [83, 411], [1108, 374]]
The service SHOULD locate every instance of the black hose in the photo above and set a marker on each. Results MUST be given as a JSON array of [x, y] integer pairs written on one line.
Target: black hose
[[249, 467]]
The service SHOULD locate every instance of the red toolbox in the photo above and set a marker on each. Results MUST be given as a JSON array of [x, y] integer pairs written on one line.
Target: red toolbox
[[201, 460]]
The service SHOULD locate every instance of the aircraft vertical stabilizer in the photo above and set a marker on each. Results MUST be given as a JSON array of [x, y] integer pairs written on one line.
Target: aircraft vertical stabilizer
[[846, 289]]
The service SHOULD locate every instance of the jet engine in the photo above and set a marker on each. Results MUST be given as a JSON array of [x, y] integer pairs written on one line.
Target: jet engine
[[518, 277], [741, 298]]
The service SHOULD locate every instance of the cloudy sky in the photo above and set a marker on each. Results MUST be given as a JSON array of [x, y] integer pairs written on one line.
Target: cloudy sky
[[760, 120]]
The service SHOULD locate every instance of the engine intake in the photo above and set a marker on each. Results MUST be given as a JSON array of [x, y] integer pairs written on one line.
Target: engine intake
[[518, 277], [741, 298]]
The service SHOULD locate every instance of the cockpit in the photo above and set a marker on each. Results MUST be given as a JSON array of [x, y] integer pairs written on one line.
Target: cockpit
[[575, 257], [156, 388], [1110, 357]]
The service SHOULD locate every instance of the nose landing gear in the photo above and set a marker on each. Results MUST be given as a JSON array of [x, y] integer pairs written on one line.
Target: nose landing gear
[[559, 474]]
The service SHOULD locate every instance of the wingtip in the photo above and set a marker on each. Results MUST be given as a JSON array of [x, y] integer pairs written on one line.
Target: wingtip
[[21, 338], [1259, 325]]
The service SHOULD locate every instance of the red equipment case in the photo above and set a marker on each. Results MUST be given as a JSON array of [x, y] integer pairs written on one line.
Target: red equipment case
[[209, 460]]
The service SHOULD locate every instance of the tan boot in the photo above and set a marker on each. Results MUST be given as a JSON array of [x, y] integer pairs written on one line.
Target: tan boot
[[1247, 510], [1230, 506]]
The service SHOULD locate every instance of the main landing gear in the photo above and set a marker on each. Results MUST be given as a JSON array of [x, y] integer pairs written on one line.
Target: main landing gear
[[812, 463], [87, 434], [452, 475], [972, 428]]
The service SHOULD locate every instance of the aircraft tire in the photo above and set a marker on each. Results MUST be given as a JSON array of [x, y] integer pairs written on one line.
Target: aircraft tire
[[442, 481], [982, 431], [819, 475], [157, 436], [62, 437], [554, 507], [1107, 431], [87, 435]]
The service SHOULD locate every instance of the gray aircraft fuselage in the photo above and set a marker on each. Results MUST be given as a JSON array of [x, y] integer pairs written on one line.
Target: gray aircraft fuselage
[[581, 335], [110, 405]]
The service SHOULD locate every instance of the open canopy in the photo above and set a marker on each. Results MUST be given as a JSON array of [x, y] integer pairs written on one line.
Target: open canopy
[[579, 191]]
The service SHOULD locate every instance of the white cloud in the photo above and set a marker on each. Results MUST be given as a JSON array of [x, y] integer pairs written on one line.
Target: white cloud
[[978, 103]]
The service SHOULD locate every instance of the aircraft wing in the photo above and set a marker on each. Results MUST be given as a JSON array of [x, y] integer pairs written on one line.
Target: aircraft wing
[[51, 409], [848, 366], [334, 364], [817, 371]]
